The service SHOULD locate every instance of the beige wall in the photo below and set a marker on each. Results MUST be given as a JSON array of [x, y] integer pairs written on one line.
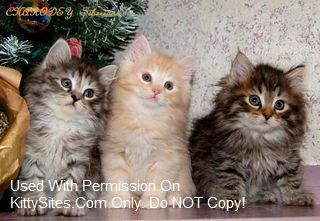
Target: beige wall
[[282, 33]]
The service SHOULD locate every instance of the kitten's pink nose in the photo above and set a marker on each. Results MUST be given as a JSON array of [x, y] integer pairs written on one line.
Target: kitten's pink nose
[[155, 92]]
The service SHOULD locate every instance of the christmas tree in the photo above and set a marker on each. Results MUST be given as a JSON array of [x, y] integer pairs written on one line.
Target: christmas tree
[[103, 26]]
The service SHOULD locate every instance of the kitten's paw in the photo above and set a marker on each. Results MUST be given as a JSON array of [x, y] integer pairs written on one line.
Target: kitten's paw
[[266, 197], [151, 202], [37, 211], [174, 198], [33, 198], [73, 210], [302, 199], [233, 202], [116, 200]]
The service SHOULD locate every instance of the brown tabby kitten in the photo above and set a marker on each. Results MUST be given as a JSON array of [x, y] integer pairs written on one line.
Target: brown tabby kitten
[[249, 144]]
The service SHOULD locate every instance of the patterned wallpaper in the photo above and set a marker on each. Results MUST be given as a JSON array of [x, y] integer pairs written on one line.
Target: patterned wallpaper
[[282, 33]]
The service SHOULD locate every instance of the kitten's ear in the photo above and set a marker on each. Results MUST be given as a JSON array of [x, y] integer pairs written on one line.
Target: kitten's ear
[[58, 53], [108, 74], [241, 68], [188, 65], [295, 77], [139, 48]]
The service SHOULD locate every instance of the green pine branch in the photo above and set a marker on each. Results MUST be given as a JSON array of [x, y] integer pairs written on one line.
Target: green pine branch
[[100, 36]]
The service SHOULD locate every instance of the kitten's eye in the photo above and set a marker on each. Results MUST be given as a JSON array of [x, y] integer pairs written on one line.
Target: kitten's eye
[[88, 93], [168, 85], [147, 77], [279, 105], [66, 83], [255, 100]]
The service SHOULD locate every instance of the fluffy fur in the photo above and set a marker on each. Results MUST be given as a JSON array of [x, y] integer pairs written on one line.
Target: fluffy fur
[[65, 126], [146, 132], [247, 148]]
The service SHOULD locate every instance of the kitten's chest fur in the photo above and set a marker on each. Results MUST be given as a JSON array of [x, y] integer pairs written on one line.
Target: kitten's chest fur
[[141, 146], [54, 144], [259, 163], [141, 141], [260, 159]]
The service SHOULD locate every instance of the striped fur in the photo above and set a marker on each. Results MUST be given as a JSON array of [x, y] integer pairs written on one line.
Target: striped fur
[[63, 140], [244, 150]]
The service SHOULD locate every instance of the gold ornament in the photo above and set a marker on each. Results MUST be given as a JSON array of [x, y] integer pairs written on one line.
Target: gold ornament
[[33, 16]]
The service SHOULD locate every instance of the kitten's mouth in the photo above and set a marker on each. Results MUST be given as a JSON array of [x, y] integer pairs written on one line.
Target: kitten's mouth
[[71, 104], [153, 99], [262, 127], [265, 127]]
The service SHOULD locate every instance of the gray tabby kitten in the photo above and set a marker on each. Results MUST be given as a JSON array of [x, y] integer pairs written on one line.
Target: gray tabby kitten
[[66, 98], [250, 143]]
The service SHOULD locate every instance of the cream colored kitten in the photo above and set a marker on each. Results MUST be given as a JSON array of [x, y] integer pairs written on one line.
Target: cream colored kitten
[[146, 132]]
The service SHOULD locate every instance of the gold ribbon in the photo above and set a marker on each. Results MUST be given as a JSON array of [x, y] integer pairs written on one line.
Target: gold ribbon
[[12, 144]]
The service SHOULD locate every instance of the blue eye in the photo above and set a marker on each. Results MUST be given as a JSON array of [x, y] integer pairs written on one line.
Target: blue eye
[[255, 100], [88, 93], [279, 105]]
